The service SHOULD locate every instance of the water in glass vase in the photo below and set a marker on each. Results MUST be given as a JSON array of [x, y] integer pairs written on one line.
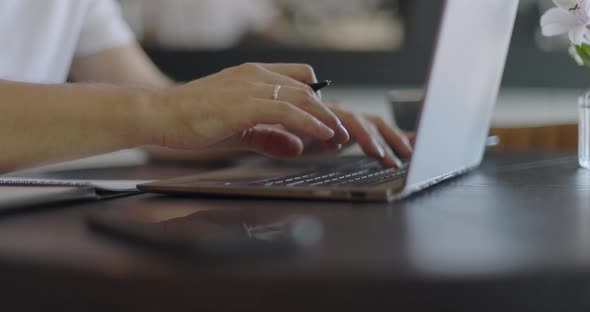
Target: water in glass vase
[[584, 131]]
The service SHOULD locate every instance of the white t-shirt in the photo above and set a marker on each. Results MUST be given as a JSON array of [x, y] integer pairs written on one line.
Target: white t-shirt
[[40, 38]]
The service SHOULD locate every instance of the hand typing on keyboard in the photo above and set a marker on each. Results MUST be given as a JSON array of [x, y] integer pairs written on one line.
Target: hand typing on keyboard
[[222, 131], [378, 139], [384, 142]]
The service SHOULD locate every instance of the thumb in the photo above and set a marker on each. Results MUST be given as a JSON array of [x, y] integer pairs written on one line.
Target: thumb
[[264, 139]]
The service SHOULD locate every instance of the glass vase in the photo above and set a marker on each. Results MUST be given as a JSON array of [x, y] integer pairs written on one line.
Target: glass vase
[[584, 130]]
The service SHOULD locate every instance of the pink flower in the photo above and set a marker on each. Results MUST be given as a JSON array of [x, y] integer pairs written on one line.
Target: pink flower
[[571, 17]]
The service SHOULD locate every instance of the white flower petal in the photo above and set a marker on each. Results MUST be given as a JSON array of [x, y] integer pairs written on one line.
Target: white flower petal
[[555, 30], [565, 4], [559, 16], [576, 35], [574, 54], [586, 38], [585, 7], [556, 22]]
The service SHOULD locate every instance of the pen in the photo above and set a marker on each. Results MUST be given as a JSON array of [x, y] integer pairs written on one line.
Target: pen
[[320, 85]]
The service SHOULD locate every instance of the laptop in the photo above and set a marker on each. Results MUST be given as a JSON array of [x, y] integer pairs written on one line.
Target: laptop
[[463, 84]]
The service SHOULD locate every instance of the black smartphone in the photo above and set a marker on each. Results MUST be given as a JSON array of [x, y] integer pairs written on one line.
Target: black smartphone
[[206, 233]]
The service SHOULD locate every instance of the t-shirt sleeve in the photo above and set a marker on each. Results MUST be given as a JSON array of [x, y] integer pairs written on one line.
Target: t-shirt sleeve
[[103, 28]]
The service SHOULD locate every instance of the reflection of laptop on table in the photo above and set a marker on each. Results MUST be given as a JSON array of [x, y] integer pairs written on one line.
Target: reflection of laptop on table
[[463, 85]]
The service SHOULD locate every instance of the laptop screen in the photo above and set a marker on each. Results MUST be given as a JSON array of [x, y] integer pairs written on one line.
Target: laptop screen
[[462, 89]]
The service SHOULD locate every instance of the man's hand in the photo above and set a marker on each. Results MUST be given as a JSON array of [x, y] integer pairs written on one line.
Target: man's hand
[[230, 107], [234, 111], [376, 137], [234, 90]]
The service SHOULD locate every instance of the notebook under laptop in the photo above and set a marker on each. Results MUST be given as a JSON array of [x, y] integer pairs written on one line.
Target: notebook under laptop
[[461, 92]]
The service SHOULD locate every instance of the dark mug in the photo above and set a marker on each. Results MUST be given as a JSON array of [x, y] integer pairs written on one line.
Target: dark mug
[[405, 104]]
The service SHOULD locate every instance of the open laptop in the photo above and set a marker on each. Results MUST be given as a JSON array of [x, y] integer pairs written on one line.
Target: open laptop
[[462, 89]]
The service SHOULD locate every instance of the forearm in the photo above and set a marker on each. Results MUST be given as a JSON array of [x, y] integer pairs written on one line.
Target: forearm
[[128, 65], [48, 123]]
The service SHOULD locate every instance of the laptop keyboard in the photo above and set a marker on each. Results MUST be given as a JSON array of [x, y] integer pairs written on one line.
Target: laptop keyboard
[[359, 173]]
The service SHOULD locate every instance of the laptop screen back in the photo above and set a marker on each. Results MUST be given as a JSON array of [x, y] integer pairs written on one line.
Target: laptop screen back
[[462, 89]]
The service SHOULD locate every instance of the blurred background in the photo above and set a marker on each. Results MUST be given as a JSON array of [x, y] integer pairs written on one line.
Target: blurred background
[[360, 42], [367, 48]]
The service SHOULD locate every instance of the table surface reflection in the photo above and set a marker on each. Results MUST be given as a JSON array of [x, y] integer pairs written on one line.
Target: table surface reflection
[[515, 233]]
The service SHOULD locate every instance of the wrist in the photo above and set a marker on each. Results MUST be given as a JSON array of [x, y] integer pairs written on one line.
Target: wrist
[[142, 116]]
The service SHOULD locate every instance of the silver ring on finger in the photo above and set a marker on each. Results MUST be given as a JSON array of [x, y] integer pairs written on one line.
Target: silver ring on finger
[[276, 92]]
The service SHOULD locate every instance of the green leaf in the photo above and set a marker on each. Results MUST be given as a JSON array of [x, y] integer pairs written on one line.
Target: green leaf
[[583, 51]]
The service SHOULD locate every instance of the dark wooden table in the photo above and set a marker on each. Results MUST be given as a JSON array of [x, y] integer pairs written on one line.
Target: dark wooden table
[[513, 235]]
